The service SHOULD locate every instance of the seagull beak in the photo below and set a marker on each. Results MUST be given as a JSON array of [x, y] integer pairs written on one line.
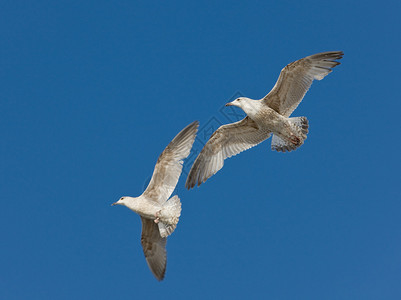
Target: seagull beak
[[229, 104], [115, 203]]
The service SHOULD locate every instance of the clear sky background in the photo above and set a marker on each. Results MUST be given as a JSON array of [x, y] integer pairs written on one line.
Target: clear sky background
[[93, 91]]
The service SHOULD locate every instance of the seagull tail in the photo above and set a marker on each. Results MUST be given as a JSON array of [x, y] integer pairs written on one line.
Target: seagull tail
[[169, 216], [301, 125]]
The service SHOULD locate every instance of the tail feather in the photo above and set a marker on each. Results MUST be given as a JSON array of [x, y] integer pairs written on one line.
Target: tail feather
[[165, 229], [301, 125], [169, 216]]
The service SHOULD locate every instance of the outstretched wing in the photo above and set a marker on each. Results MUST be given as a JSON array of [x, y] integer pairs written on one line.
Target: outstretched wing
[[154, 248], [169, 165], [297, 77], [226, 141]]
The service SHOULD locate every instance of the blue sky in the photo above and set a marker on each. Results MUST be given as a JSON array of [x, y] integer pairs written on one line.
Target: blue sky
[[92, 92]]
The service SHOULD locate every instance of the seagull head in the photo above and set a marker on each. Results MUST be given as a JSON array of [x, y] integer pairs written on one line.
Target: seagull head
[[249, 106], [242, 102], [237, 102], [120, 201]]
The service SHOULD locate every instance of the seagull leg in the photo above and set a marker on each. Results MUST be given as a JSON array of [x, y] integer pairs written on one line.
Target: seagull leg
[[295, 140], [157, 215]]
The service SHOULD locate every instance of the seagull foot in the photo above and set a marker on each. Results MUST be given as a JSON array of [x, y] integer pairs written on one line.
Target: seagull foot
[[157, 215], [295, 140]]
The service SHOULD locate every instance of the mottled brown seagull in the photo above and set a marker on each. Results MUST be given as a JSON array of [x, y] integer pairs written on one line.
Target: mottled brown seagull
[[159, 214], [269, 115]]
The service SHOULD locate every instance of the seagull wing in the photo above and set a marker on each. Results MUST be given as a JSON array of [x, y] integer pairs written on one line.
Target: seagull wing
[[297, 77], [169, 165], [226, 141], [154, 248]]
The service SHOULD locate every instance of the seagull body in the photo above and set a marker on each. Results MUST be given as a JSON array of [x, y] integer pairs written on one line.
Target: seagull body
[[159, 214], [269, 121], [143, 206], [267, 116]]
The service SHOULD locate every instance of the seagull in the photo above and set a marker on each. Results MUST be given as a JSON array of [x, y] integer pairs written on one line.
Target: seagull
[[267, 116], [159, 214]]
